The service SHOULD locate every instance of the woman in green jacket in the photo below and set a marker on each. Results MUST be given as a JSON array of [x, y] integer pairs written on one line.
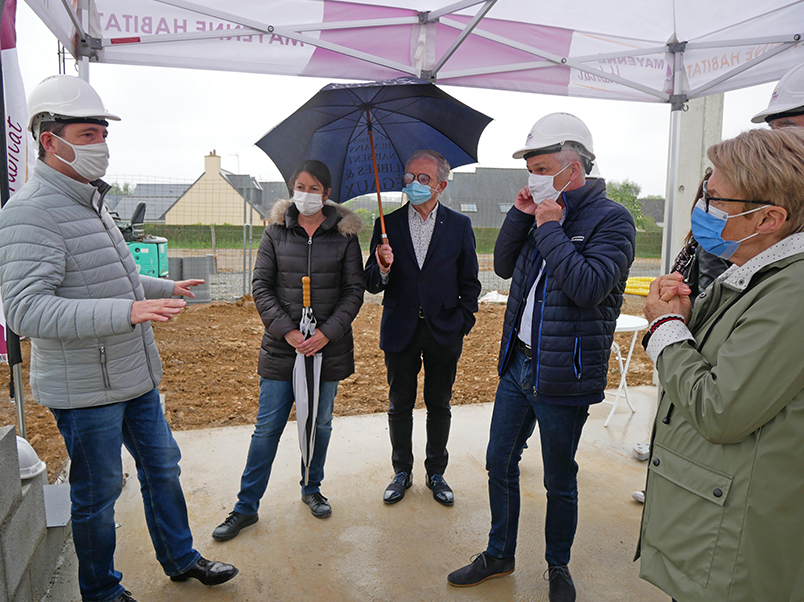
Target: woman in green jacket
[[724, 508]]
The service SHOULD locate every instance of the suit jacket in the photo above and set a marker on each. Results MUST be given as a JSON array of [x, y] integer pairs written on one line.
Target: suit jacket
[[446, 287]]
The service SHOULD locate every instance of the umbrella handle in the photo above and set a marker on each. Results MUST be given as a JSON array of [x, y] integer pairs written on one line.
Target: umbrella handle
[[307, 301]]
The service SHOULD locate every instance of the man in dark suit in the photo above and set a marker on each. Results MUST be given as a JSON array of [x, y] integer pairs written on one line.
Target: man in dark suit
[[431, 290]]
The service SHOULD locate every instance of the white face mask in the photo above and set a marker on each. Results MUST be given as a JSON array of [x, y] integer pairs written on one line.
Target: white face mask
[[91, 160], [308, 203], [541, 187]]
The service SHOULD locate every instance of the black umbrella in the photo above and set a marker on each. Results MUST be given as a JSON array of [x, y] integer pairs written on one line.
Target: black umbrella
[[365, 133]]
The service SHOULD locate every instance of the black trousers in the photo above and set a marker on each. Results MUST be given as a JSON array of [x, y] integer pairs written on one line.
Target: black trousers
[[440, 367]]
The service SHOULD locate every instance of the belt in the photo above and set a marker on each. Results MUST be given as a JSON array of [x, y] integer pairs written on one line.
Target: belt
[[524, 348]]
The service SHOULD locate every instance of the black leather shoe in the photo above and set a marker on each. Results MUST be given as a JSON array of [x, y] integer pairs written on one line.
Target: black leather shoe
[[124, 597], [483, 566], [319, 505], [441, 491], [230, 527], [396, 490], [562, 589], [208, 572]]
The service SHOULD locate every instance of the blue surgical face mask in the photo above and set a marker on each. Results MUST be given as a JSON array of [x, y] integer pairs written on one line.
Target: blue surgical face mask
[[418, 193], [707, 229]]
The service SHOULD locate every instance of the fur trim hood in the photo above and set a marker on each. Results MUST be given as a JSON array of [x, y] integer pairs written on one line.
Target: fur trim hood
[[349, 222]]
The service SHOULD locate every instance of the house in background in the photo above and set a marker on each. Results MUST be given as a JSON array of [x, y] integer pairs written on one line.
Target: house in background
[[216, 197], [655, 209], [485, 195], [158, 198]]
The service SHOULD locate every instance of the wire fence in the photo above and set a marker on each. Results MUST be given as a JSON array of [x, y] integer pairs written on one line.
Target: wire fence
[[221, 217]]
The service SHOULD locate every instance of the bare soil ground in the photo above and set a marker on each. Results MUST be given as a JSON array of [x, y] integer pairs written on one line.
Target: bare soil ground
[[209, 353]]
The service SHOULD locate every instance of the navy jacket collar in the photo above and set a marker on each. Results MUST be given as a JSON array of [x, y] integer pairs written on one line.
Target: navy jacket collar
[[577, 200]]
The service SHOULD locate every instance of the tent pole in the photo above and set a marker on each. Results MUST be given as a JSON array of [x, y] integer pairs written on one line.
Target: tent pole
[[83, 62], [678, 103], [672, 189]]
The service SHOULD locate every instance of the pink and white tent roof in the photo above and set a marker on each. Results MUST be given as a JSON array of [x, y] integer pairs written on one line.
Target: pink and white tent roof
[[655, 51]]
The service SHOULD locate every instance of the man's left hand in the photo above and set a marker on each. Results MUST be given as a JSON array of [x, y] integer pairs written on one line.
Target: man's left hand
[[182, 288], [548, 211], [314, 344]]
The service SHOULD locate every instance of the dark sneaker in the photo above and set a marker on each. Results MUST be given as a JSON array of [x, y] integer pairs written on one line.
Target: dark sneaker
[[230, 527], [484, 566], [562, 589], [441, 491], [124, 597], [208, 572], [396, 490], [319, 505]]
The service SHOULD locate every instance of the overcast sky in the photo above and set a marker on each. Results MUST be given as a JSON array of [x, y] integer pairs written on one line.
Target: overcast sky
[[173, 117]]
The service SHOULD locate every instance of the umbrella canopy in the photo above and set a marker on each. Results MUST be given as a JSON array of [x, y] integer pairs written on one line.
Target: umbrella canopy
[[306, 384], [403, 115]]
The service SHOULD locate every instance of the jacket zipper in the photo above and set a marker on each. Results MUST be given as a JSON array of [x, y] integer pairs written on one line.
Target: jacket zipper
[[104, 369], [541, 325], [309, 258], [134, 291]]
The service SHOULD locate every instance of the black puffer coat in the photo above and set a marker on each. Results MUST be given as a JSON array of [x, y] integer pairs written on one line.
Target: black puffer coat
[[333, 260]]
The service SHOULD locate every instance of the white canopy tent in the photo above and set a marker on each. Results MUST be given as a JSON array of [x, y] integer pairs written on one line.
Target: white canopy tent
[[667, 51]]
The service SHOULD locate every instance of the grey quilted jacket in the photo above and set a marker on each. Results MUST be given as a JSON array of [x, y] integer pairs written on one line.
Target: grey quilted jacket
[[68, 283]]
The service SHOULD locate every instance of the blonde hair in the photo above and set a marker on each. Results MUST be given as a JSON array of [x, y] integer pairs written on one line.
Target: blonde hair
[[766, 165]]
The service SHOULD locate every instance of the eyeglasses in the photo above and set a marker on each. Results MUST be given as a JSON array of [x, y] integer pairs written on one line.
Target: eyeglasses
[[421, 178], [708, 199]]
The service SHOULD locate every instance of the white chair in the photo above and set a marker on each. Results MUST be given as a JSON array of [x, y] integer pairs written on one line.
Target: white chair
[[625, 323]]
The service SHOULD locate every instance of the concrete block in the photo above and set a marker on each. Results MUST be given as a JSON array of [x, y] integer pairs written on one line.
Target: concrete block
[[195, 267], [46, 558], [21, 533], [174, 268], [11, 490]]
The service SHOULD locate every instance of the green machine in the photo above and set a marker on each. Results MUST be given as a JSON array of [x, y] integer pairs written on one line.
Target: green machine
[[150, 252]]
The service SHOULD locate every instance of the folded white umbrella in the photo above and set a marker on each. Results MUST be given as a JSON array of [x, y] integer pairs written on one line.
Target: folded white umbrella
[[306, 382]]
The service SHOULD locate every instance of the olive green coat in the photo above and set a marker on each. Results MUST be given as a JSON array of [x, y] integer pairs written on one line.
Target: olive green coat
[[724, 504]]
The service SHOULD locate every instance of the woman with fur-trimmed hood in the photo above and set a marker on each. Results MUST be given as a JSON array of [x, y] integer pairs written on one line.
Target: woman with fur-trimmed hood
[[307, 236]]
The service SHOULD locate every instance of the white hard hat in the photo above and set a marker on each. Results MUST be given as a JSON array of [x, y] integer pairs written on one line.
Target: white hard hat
[[788, 96], [556, 132], [30, 464], [65, 98]]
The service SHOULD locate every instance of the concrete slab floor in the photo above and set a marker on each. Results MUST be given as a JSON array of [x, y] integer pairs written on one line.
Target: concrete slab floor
[[370, 551]]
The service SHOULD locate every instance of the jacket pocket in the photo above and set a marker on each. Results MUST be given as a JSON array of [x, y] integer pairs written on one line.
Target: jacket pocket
[[577, 358], [686, 503], [104, 368]]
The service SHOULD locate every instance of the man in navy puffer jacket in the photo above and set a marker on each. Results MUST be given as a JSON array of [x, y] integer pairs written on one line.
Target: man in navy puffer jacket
[[568, 249]]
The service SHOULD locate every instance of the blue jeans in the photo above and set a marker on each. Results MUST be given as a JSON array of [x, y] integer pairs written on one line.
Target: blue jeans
[[276, 401], [516, 412], [93, 437]]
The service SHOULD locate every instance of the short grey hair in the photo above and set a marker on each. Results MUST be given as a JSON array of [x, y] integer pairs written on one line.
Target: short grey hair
[[568, 155], [441, 163]]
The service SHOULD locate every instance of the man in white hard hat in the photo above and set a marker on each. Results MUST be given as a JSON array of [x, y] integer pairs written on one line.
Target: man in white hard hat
[[568, 249], [786, 106], [70, 284]]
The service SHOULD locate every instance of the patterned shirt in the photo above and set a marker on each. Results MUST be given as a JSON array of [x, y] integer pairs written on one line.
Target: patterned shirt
[[421, 231]]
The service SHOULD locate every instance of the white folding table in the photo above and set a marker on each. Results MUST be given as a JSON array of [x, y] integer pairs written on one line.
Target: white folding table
[[625, 323]]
